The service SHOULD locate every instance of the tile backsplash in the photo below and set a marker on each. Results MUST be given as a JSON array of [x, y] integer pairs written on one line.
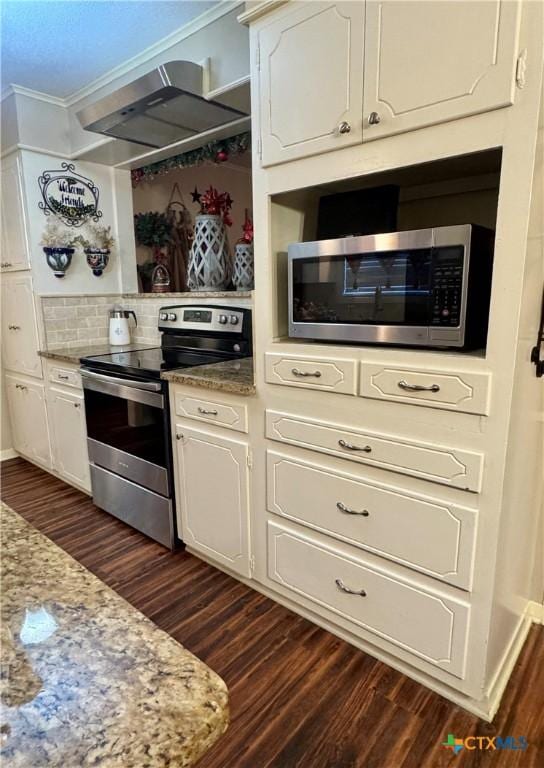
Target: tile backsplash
[[77, 320]]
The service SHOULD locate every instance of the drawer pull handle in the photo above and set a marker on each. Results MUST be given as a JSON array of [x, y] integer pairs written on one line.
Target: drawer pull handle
[[6, 264], [304, 374], [204, 412], [14, 327], [350, 447], [342, 587], [347, 511], [21, 386], [179, 437], [418, 387], [77, 405], [64, 378]]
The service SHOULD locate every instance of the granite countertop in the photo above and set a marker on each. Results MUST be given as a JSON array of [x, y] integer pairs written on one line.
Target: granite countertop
[[87, 680], [234, 376], [75, 353]]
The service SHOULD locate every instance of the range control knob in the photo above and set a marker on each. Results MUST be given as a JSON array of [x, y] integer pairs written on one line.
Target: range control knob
[[163, 316], [233, 319], [172, 316], [223, 319]]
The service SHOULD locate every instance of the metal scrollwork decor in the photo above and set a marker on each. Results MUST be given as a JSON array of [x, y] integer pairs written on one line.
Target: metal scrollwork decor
[[69, 196]]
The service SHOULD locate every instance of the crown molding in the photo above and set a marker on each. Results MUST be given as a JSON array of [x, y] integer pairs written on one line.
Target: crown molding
[[38, 95], [209, 16], [212, 14], [257, 10]]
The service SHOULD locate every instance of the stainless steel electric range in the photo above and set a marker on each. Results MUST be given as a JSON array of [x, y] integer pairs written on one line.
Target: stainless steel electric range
[[127, 412]]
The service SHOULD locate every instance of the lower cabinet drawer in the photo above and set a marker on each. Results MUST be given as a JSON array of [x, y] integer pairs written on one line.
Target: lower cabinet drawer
[[66, 376], [440, 464], [431, 536], [212, 412], [424, 622], [311, 372]]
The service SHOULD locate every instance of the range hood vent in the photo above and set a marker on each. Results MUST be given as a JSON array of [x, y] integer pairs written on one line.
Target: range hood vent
[[160, 108]]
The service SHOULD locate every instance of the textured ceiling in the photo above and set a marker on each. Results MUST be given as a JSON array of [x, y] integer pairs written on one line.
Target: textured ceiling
[[59, 47]]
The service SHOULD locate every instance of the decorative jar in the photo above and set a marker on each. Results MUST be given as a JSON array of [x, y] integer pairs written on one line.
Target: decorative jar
[[209, 258], [59, 259], [244, 274]]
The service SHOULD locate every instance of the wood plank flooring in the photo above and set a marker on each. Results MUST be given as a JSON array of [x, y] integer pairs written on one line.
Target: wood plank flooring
[[300, 697]]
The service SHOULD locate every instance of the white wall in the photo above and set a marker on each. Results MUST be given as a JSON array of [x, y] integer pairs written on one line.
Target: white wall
[[9, 135], [116, 204]]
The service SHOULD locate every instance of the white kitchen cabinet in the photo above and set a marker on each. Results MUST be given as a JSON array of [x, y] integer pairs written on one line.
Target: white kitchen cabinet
[[19, 326], [430, 62], [15, 250], [310, 64], [69, 436], [28, 412], [213, 496]]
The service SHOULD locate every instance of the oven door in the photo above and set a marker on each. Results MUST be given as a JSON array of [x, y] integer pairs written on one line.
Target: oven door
[[127, 428]]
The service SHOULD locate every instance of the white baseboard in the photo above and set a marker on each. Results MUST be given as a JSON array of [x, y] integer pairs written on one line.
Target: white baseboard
[[9, 453], [535, 611]]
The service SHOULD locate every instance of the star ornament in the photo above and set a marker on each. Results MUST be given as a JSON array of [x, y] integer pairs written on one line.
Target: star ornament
[[196, 196]]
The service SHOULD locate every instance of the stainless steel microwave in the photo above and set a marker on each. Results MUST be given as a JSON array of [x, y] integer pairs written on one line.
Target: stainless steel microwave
[[427, 287]]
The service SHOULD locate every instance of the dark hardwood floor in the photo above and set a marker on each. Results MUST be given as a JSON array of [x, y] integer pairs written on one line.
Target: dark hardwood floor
[[299, 696]]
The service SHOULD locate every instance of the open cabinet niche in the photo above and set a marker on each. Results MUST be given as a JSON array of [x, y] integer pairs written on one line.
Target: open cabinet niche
[[454, 191], [177, 186]]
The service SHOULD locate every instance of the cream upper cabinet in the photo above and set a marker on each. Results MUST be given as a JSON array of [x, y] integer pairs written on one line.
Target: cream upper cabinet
[[19, 326], [213, 496], [14, 237], [429, 62], [29, 419], [69, 436], [310, 64]]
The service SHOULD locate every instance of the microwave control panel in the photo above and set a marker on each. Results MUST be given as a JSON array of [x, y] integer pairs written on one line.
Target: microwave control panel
[[447, 287]]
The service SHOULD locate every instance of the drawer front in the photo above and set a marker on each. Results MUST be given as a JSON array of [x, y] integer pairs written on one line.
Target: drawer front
[[212, 412], [312, 373], [466, 392], [66, 376], [439, 464], [434, 537], [426, 623]]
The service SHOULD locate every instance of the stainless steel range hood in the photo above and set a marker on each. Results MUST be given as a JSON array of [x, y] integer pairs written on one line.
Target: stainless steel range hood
[[160, 108]]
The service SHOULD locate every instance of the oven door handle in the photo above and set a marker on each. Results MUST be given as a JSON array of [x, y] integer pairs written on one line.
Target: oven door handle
[[150, 386]]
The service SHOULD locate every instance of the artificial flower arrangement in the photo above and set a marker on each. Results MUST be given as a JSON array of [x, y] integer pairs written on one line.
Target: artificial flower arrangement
[[214, 203], [58, 245]]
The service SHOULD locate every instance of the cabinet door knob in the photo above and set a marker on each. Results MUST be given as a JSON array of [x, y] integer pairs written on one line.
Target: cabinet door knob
[[344, 127], [373, 118]]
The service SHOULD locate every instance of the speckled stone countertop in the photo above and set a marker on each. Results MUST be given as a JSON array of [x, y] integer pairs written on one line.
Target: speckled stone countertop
[[234, 376], [87, 680], [74, 354]]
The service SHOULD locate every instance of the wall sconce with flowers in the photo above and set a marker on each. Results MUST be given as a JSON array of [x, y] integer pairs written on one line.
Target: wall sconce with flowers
[[59, 246], [97, 247]]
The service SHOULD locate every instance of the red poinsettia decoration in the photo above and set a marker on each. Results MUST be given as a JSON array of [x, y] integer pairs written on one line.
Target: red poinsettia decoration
[[214, 203], [247, 229]]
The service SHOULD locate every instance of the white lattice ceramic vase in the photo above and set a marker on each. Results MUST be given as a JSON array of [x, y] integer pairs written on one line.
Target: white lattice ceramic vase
[[209, 258], [244, 273]]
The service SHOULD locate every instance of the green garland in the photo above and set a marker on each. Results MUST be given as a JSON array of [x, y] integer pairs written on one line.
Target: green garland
[[215, 151]]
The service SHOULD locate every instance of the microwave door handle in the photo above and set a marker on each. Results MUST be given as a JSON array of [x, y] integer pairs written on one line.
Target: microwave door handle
[[150, 386]]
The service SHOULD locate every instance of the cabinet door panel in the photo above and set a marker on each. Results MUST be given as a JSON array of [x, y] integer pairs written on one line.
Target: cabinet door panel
[[69, 435], [29, 419], [311, 80], [14, 239], [213, 503], [429, 62], [19, 326]]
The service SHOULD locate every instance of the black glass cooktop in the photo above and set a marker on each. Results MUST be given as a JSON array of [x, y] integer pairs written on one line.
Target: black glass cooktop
[[149, 363]]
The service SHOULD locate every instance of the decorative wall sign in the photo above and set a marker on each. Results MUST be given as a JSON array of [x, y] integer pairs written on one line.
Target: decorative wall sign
[[69, 196]]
